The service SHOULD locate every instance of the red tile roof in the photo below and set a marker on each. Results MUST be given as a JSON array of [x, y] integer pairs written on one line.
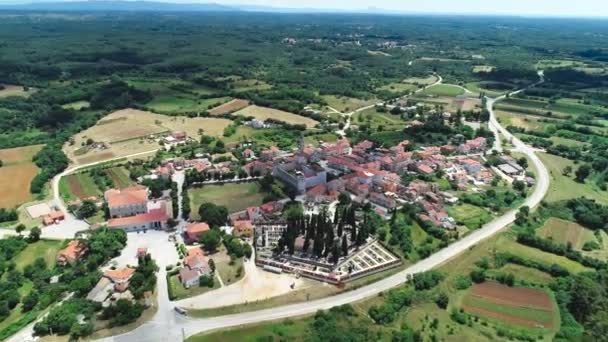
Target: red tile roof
[[128, 196], [154, 215]]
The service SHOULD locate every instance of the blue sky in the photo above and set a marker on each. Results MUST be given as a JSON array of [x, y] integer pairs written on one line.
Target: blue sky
[[585, 8]]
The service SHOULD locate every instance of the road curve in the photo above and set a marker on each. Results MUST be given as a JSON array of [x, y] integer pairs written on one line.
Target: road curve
[[178, 327]]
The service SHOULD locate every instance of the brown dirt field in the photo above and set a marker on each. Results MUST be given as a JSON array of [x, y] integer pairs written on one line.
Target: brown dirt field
[[15, 180], [506, 318], [14, 90], [95, 157], [263, 113], [514, 296], [19, 154], [229, 107], [470, 104], [76, 187]]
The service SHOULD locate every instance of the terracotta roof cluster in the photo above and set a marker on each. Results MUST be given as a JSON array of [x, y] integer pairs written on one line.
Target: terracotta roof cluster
[[127, 196], [154, 215]]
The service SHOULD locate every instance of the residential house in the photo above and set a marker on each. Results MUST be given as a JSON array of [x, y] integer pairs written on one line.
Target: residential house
[[120, 278], [195, 230], [74, 251], [127, 202], [243, 229]]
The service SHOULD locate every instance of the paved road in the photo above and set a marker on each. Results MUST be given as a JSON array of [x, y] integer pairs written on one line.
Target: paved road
[[178, 327]]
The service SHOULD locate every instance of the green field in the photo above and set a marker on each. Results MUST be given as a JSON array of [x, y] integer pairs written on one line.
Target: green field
[[533, 254], [375, 118], [563, 187], [77, 105], [444, 90], [524, 273], [288, 330], [180, 104], [120, 177], [397, 87], [473, 217], [46, 249], [235, 197], [315, 139]]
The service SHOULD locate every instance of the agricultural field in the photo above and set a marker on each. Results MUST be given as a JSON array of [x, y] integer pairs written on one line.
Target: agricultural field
[[345, 104], [565, 232], [444, 90], [524, 273], [565, 187], [240, 85], [16, 174], [229, 107], [471, 216], [235, 196], [518, 306], [449, 103], [316, 139], [128, 132], [288, 330], [82, 185], [483, 68], [263, 113], [490, 88], [558, 63]]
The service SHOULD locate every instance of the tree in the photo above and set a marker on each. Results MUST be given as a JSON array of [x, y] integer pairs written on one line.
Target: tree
[[86, 210], [344, 199], [34, 234], [582, 173], [478, 276], [567, 171], [519, 185], [211, 240], [205, 281], [211, 265], [214, 215], [344, 246], [523, 162], [20, 228], [442, 300]]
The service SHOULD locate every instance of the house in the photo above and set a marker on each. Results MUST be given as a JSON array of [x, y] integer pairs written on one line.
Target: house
[[195, 230], [424, 169], [195, 266], [176, 137], [127, 202], [300, 176], [472, 166], [248, 153], [74, 251], [120, 278], [382, 200], [270, 153], [243, 228], [53, 217]]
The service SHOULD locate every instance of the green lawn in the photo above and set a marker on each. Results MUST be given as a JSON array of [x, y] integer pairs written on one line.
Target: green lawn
[[235, 197], [375, 118], [444, 90], [64, 190], [396, 87], [471, 216], [87, 183], [314, 139], [179, 292], [46, 249], [563, 187]]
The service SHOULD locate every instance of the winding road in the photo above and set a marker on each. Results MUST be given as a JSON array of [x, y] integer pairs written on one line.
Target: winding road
[[167, 326]]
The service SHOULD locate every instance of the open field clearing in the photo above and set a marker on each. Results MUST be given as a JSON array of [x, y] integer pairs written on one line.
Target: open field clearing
[[16, 175], [263, 113], [532, 308], [316, 139], [444, 90], [249, 84], [450, 103], [346, 104], [288, 330], [120, 177], [128, 132], [421, 80], [490, 88], [565, 187], [235, 196], [229, 107], [78, 105], [469, 215], [82, 186], [483, 68], [375, 118], [557, 63], [171, 104], [397, 87], [566, 232], [7, 90], [445, 60]]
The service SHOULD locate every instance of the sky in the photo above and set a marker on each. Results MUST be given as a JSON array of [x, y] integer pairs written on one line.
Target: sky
[[584, 8]]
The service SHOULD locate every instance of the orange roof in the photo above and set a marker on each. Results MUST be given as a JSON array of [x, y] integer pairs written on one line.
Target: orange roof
[[243, 226], [56, 215], [154, 215], [195, 252], [73, 250], [128, 196], [120, 274], [197, 227]]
